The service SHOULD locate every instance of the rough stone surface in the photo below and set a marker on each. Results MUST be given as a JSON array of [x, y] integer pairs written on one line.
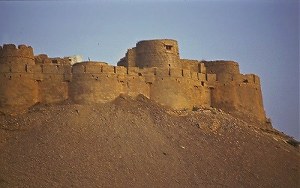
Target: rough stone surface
[[152, 68], [137, 143]]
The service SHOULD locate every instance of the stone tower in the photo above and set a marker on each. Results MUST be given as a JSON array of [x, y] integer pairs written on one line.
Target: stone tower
[[152, 68], [162, 53], [9, 53], [18, 89], [157, 53]]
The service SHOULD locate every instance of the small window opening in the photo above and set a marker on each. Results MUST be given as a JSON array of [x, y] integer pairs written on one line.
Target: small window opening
[[202, 83], [169, 47], [246, 81], [140, 74], [54, 61]]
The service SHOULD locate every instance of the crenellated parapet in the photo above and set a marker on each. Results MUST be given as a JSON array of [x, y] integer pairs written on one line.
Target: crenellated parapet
[[18, 89], [9, 53], [153, 53], [152, 68], [225, 70]]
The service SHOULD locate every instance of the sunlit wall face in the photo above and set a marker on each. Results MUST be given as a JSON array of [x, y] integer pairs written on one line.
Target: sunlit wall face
[[263, 36]]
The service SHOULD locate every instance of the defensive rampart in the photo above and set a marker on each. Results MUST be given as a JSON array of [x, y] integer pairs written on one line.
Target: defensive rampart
[[9, 53], [18, 89], [152, 68], [153, 53]]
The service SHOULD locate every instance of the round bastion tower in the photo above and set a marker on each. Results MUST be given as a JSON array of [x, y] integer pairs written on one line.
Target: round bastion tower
[[9, 53], [161, 53], [18, 89]]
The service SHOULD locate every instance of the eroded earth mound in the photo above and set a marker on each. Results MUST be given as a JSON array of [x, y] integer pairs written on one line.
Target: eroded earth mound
[[137, 143]]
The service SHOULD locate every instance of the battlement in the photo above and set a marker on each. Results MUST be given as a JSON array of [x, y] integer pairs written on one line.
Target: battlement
[[9, 53], [161, 53], [152, 68], [157, 46], [101, 68], [222, 67]]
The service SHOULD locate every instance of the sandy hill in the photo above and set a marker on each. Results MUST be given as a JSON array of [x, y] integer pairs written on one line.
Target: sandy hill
[[137, 143]]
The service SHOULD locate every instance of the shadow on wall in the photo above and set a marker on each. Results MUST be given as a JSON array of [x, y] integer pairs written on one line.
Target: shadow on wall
[[152, 68]]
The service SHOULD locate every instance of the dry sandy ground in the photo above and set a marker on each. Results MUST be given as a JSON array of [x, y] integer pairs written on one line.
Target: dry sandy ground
[[137, 143]]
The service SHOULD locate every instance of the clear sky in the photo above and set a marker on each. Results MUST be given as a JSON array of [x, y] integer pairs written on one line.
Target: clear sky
[[262, 35]]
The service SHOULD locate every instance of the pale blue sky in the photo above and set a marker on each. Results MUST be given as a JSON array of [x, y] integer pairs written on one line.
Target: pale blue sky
[[262, 35]]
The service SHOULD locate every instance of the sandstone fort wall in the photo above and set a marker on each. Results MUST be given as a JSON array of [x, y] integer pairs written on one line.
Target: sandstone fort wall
[[18, 89], [9, 53], [152, 68]]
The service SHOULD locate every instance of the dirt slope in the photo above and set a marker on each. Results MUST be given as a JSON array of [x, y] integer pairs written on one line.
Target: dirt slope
[[136, 143]]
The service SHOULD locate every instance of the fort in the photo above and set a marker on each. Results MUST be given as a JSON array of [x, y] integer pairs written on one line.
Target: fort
[[152, 68]]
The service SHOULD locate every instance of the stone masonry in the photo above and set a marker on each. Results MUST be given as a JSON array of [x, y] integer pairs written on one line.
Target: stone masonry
[[152, 68]]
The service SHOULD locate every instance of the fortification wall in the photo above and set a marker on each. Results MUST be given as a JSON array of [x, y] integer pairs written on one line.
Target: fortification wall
[[242, 94], [192, 65], [42, 59], [18, 89], [131, 57], [224, 96], [9, 53], [152, 68], [250, 100], [225, 70], [123, 61], [95, 82], [179, 89], [157, 53], [129, 60], [250, 96], [137, 81], [53, 81]]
